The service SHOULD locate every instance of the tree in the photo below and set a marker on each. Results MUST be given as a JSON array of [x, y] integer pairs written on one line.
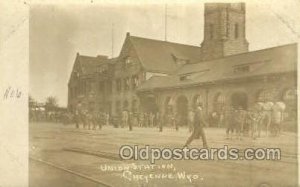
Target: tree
[[31, 102], [51, 103]]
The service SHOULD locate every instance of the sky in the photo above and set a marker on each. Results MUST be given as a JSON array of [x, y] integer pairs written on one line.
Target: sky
[[58, 31]]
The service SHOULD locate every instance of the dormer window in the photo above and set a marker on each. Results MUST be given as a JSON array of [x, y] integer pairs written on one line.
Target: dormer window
[[184, 77], [194, 75], [180, 60], [249, 67]]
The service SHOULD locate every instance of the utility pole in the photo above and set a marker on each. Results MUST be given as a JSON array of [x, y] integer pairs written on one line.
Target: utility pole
[[112, 40], [166, 20]]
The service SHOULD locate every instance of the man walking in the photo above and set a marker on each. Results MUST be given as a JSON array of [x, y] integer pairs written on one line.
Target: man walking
[[198, 127], [191, 115]]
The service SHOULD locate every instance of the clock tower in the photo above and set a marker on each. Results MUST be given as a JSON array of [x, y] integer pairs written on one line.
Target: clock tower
[[224, 30]]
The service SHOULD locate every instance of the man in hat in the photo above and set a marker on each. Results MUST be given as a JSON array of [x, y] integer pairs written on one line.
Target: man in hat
[[198, 125]]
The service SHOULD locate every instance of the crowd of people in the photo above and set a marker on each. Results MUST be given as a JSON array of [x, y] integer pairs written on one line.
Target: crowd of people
[[93, 119], [262, 116], [238, 121], [47, 116]]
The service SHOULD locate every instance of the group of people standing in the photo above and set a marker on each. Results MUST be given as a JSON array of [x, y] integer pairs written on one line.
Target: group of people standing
[[93, 119], [90, 119], [251, 122], [142, 119], [238, 121]]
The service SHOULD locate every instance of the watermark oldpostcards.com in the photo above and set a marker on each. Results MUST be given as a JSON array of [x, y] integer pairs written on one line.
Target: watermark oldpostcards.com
[[152, 154]]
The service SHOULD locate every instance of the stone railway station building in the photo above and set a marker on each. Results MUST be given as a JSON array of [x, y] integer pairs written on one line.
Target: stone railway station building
[[160, 76]]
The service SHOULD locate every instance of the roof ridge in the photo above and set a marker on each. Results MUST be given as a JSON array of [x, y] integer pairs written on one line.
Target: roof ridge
[[245, 53], [261, 50], [157, 40], [87, 56]]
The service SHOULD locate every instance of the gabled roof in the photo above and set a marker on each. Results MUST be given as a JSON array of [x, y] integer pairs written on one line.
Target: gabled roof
[[85, 65], [88, 65], [274, 60], [160, 56]]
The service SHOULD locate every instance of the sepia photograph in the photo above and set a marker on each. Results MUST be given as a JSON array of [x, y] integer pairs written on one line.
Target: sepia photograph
[[140, 94]]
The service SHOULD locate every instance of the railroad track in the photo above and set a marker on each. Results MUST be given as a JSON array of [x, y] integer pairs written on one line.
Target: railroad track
[[70, 171], [286, 157]]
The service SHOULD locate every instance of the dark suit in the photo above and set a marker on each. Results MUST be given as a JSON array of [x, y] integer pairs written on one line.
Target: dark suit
[[198, 128]]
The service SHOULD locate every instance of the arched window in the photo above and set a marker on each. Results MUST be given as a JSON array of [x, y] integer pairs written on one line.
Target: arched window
[[219, 102], [168, 107], [220, 98], [198, 99], [266, 95], [290, 95], [239, 100]]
